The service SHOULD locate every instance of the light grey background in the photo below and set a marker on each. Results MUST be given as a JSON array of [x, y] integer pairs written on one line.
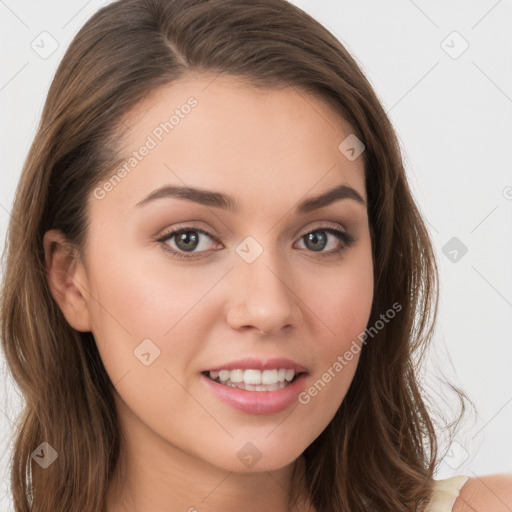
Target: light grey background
[[451, 108]]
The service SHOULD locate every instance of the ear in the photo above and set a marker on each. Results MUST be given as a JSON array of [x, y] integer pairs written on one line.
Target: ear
[[67, 279]]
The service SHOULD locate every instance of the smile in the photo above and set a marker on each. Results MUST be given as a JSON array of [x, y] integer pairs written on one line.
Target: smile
[[253, 379], [270, 399]]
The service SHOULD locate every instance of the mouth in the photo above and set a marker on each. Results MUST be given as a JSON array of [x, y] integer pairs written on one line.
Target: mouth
[[255, 380], [256, 391]]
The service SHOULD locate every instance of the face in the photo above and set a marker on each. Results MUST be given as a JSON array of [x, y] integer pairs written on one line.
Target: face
[[164, 307]]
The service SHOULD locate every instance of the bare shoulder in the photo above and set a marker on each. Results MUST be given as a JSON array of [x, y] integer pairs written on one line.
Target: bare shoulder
[[489, 493]]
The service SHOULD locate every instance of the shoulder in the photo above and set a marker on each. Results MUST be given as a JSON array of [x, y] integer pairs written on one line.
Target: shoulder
[[492, 493]]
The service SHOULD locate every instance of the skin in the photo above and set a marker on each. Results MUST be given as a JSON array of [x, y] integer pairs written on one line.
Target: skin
[[268, 149], [485, 493]]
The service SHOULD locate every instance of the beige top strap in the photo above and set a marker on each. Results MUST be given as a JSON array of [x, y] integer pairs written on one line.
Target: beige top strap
[[445, 493]]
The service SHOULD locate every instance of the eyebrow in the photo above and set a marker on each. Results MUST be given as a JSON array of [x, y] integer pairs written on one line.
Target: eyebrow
[[226, 202]]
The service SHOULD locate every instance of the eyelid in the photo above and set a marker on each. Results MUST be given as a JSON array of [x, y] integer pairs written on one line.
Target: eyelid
[[186, 226], [205, 231], [319, 225]]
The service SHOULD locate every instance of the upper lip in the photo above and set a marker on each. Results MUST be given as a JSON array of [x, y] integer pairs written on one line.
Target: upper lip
[[260, 364]]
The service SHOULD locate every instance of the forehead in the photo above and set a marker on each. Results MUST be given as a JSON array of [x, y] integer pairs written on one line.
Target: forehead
[[217, 132]]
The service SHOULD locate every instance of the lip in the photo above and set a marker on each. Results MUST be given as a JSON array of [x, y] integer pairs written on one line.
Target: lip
[[257, 402], [259, 364]]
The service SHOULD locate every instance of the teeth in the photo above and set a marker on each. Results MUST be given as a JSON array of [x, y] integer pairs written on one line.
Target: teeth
[[269, 377], [252, 387], [236, 376], [224, 375], [254, 378]]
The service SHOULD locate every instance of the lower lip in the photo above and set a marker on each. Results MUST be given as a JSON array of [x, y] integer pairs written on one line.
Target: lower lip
[[258, 402]]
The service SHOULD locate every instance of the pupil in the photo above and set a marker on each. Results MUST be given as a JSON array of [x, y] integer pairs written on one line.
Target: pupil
[[187, 237], [314, 238]]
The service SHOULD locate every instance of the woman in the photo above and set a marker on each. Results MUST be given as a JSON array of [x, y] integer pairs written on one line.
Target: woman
[[217, 280]]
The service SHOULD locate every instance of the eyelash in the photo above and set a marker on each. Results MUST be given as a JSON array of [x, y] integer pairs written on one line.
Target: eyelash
[[342, 235]]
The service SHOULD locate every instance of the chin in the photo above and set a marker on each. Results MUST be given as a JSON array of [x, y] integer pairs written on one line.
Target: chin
[[252, 457]]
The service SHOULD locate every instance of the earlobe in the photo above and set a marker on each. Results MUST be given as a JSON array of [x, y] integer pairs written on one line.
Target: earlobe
[[67, 279]]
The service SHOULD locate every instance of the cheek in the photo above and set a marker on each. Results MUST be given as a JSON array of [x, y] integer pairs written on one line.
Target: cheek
[[343, 306], [134, 299], [342, 299], [138, 288]]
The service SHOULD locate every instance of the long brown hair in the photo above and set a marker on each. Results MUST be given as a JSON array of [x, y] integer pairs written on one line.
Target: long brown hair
[[380, 450]]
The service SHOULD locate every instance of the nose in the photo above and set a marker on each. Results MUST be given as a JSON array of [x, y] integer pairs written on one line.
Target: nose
[[263, 296]]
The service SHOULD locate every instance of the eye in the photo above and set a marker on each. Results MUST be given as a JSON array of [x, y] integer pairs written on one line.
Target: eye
[[318, 239], [188, 238]]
